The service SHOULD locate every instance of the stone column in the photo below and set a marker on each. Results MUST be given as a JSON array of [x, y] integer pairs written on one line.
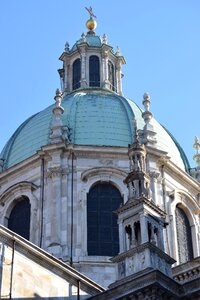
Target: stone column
[[56, 207], [121, 238], [66, 87], [119, 77], [153, 239], [69, 77], [133, 242], [83, 68], [154, 175], [144, 229], [106, 83], [53, 216]]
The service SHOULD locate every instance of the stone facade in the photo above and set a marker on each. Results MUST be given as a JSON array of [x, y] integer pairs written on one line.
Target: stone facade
[[90, 166], [150, 174], [28, 272]]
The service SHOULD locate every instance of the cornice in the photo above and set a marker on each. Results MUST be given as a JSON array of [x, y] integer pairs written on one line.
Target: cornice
[[102, 170], [182, 175], [138, 201]]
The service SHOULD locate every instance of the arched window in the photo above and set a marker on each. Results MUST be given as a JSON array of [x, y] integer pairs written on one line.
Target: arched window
[[111, 75], [76, 74], [19, 219], [184, 237], [102, 228], [94, 71]]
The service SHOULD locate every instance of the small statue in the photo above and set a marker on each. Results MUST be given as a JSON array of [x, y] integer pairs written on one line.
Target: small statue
[[83, 35], [92, 15], [66, 47], [105, 39]]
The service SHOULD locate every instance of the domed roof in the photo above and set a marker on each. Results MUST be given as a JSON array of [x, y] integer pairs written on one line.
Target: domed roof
[[96, 118], [91, 40]]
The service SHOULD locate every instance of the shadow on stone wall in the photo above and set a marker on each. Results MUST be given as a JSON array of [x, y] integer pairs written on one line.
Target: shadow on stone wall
[[48, 298]]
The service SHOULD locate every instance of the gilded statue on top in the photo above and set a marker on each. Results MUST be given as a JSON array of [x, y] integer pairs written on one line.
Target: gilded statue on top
[[90, 11]]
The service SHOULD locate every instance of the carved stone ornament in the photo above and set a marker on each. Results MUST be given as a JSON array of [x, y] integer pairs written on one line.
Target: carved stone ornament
[[56, 172]]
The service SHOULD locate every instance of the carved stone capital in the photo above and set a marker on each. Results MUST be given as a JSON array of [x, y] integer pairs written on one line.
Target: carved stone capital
[[56, 172], [154, 175]]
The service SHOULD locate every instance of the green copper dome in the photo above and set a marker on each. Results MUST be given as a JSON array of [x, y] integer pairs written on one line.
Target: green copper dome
[[91, 40], [94, 117]]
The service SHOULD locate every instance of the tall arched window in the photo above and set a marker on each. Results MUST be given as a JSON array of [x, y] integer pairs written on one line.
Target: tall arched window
[[184, 237], [102, 228], [111, 75], [19, 219], [76, 74], [94, 71]]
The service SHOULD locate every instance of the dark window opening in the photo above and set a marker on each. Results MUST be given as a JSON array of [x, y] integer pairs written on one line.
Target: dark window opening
[[184, 236], [94, 73], [19, 219], [128, 230], [102, 227], [76, 74], [137, 232]]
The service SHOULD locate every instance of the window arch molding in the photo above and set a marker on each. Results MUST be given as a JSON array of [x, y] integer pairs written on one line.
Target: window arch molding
[[189, 206], [10, 198], [187, 203], [113, 175]]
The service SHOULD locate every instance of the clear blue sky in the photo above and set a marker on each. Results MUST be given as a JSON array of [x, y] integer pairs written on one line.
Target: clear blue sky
[[160, 40]]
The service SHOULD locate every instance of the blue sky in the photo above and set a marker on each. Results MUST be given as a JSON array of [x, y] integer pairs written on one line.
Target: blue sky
[[160, 40]]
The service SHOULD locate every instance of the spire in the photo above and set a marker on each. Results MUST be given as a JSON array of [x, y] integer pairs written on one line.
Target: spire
[[137, 180], [140, 220], [56, 126], [148, 133]]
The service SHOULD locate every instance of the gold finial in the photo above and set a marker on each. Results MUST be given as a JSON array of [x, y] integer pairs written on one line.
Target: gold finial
[[91, 24]]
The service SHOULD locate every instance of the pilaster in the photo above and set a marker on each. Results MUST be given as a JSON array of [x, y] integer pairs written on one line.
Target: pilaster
[[106, 83], [82, 49]]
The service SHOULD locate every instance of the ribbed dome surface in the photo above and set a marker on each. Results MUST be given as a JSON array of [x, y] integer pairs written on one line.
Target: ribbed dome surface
[[98, 118], [91, 40]]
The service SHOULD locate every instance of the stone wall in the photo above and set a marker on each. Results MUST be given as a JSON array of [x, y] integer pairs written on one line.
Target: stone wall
[[27, 272]]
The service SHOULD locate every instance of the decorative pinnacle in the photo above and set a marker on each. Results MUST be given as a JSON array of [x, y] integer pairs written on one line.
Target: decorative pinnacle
[[91, 24], [58, 98], [105, 39], [118, 52], [83, 36], [196, 146], [146, 101], [147, 115], [66, 47]]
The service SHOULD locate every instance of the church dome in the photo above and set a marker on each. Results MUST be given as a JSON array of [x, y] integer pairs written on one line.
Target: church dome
[[95, 117], [90, 40]]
